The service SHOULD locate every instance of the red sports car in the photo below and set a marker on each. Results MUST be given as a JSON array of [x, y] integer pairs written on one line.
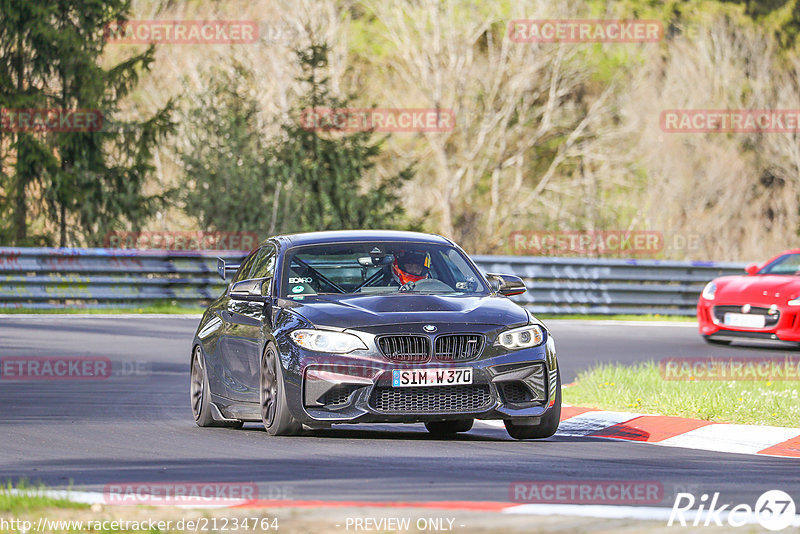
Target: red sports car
[[763, 304]]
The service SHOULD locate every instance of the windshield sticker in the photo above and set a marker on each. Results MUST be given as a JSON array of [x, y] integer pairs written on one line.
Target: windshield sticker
[[298, 289], [300, 280]]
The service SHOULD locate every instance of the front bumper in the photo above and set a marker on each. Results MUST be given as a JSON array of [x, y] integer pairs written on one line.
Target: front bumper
[[357, 388], [782, 325]]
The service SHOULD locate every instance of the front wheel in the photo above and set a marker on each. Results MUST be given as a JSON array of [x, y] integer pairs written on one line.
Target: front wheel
[[441, 428], [272, 396], [548, 423]]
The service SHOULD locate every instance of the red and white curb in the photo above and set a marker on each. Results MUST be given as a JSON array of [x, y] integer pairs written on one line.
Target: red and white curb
[[678, 432]]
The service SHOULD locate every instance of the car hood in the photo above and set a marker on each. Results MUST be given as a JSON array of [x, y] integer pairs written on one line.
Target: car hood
[[757, 288], [375, 310]]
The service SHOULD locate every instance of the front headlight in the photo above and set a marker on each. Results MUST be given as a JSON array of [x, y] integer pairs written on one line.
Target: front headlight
[[324, 341], [794, 302], [521, 338], [709, 291]]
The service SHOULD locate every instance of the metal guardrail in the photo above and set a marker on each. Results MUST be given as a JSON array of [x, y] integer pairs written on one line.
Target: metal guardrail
[[609, 286], [59, 278]]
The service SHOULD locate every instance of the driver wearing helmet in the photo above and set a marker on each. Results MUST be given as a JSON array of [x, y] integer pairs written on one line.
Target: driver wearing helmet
[[410, 266]]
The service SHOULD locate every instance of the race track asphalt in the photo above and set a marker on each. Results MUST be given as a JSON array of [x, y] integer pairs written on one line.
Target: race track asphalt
[[136, 426]]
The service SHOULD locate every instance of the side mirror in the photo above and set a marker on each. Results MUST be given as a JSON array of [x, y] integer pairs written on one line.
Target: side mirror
[[506, 284], [223, 269], [249, 289], [751, 268]]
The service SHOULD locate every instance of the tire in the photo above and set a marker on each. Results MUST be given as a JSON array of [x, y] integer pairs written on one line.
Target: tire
[[272, 398], [441, 428], [200, 393], [711, 341], [546, 427]]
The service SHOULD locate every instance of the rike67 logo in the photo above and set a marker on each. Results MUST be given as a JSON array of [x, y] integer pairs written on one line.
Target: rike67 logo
[[774, 510]]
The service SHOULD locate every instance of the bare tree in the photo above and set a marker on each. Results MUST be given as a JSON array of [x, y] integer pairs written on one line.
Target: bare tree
[[542, 140], [520, 114], [737, 191]]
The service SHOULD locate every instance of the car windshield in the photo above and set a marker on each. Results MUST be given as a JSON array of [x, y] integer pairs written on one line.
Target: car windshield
[[378, 267], [786, 264]]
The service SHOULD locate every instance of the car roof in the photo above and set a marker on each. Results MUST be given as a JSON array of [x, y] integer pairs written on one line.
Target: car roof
[[338, 236]]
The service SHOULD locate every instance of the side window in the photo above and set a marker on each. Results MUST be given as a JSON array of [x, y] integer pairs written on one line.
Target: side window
[[247, 265]]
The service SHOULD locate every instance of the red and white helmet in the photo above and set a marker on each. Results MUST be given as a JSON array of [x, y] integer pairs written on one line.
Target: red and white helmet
[[411, 266]]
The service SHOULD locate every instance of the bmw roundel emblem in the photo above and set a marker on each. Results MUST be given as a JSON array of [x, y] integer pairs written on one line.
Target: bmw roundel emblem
[[429, 328]]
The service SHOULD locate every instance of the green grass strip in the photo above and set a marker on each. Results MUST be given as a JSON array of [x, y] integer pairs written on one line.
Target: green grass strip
[[640, 388], [26, 498]]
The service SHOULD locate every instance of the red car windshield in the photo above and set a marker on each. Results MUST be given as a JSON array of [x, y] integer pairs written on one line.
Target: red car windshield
[[786, 264]]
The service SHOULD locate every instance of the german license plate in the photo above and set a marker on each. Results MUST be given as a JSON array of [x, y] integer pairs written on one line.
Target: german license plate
[[404, 378], [744, 320]]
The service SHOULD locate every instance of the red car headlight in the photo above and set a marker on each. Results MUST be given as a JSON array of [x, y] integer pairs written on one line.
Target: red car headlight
[[710, 290]]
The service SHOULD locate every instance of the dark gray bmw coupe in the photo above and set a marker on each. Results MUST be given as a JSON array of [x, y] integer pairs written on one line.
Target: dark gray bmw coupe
[[371, 326]]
